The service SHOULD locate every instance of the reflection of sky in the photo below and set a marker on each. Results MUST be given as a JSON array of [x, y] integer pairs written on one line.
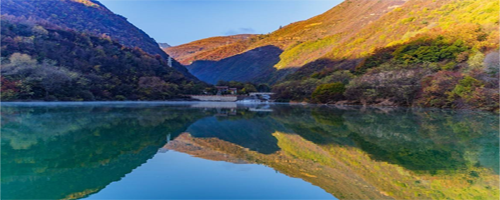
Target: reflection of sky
[[182, 21], [174, 175]]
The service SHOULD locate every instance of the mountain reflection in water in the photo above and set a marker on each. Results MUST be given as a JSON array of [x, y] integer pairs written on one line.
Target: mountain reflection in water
[[71, 151]]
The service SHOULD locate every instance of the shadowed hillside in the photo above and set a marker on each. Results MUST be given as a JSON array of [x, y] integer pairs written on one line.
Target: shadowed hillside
[[252, 66]]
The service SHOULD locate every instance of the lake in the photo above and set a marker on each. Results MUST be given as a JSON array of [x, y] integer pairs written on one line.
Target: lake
[[155, 150]]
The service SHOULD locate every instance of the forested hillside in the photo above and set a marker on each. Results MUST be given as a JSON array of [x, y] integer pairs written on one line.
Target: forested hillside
[[41, 61], [86, 16]]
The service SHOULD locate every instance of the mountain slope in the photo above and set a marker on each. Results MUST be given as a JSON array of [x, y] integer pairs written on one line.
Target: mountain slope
[[406, 62], [211, 49], [88, 16], [252, 66], [43, 62], [311, 36], [315, 36]]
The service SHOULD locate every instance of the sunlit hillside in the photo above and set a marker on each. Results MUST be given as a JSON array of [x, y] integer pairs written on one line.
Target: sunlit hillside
[[311, 36], [210, 49]]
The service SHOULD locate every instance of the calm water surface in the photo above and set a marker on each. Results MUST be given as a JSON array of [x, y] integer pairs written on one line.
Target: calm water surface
[[236, 151]]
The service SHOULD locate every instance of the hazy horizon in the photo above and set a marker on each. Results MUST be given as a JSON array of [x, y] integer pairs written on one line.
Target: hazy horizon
[[220, 17]]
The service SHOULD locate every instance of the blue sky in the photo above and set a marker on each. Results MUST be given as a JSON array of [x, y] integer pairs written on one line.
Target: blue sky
[[181, 21]]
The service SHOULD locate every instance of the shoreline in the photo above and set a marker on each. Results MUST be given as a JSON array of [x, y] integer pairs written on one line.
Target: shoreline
[[181, 102]]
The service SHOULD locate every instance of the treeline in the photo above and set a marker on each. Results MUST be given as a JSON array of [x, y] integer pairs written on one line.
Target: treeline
[[41, 61]]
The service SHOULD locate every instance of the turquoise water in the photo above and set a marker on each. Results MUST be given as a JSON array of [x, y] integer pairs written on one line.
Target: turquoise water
[[236, 151]]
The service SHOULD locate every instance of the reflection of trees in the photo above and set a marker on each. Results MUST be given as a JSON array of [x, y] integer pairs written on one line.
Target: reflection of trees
[[318, 125], [427, 140], [58, 152], [419, 140], [422, 140], [254, 134]]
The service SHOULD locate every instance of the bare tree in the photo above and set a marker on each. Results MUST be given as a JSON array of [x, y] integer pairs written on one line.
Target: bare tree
[[492, 62]]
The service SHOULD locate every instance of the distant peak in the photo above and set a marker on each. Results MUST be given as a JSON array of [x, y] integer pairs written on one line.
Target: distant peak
[[88, 3], [164, 45]]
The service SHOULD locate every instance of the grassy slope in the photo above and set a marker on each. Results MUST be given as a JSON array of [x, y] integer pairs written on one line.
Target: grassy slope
[[310, 39]]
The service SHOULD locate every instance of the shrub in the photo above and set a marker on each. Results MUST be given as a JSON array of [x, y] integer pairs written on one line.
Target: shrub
[[449, 66], [328, 92], [466, 87], [436, 89], [462, 57], [155, 88], [400, 86], [342, 76], [429, 50], [9, 89], [484, 99], [476, 60], [295, 90]]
